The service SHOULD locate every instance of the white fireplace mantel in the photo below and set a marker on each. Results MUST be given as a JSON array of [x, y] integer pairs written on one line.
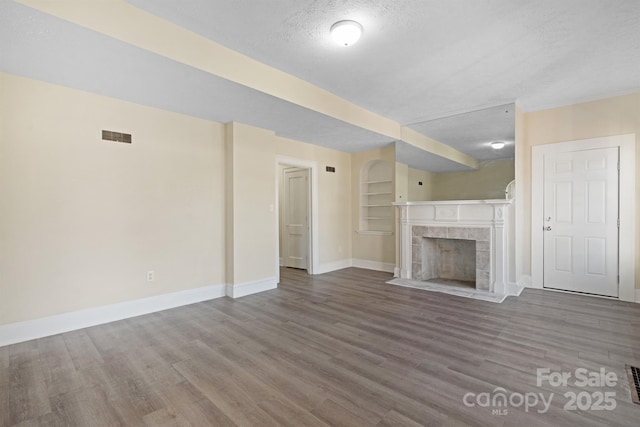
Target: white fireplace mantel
[[454, 218]]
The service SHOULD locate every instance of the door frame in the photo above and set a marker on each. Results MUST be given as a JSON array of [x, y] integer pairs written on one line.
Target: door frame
[[626, 201], [312, 250], [284, 202]]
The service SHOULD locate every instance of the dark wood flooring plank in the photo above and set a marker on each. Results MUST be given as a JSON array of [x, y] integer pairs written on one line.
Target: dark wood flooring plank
[[81, 348], [220, 389], [85, 407], [335, 415], [59, 371], [4, 385], [187, 402], [395, 419], [342, 348], [27, 396]]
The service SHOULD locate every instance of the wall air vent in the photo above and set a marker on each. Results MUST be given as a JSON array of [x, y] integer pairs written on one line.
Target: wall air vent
[[633, 373], [108, 135]]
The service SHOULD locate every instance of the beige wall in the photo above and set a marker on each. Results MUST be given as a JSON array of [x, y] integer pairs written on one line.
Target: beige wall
[[252, 183], [366, 246], [417, 192], [407, 187], [254, 246], [334, 198], [612, 116], [522, 202], [83, 220], [487, 182], [401, 183]]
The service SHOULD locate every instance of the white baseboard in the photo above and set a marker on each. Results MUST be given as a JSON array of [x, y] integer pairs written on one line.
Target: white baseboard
[[638, 295], [374, 265], [360, 263], [514, 289], [396, 272], [31, 329], [243, 289], [333, 266], [524, 281]]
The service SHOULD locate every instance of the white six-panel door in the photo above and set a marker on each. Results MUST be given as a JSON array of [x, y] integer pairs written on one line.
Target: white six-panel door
[[580, 223], [296, 217]]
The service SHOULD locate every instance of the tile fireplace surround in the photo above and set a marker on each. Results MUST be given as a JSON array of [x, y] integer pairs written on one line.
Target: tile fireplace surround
[[484, 221]]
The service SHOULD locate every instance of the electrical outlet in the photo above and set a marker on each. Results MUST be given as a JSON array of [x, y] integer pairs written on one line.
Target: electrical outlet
[[150, 275]]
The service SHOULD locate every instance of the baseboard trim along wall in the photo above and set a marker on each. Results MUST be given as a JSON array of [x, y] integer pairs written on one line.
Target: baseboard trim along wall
[[514, 289], [374, 265], [525, 281], [359, 263], [243, 289], [31, 329], [638, 295], [333, 266]]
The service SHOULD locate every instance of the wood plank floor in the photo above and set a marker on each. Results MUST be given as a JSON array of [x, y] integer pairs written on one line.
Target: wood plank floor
[[342, 348]]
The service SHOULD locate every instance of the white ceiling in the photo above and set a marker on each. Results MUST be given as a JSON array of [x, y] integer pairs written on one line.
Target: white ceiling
[[417, 61]]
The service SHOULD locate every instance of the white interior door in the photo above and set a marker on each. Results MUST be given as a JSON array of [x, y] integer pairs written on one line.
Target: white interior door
[[580, 223], [296, 218]]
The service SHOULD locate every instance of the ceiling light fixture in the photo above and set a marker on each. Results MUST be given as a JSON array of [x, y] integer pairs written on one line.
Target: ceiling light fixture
[[497, 145], [346, 33]]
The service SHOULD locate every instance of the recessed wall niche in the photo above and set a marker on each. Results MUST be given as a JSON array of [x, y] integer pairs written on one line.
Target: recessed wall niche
[[376, 196]]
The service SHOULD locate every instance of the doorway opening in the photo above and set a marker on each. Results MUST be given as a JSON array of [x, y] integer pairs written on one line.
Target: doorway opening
[[296, 219]]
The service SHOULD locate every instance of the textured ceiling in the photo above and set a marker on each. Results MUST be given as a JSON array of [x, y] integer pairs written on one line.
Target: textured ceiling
[[43, 47], [417, 159], [473, 132], [424, 59], [419, 62]]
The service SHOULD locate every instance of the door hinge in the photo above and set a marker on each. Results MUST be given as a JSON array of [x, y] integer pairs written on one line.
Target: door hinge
[[618, 222]]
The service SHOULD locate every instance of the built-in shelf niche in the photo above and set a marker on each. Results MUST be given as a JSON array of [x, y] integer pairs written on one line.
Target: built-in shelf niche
[[376, 196]]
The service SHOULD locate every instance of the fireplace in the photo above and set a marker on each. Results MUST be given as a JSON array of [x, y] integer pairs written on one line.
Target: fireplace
[[451, 255], [464, 241]]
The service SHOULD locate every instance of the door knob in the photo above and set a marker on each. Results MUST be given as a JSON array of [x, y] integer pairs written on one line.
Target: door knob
[[547, 228]]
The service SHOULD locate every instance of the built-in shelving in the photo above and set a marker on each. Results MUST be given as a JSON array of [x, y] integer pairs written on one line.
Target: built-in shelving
[[376, 196]]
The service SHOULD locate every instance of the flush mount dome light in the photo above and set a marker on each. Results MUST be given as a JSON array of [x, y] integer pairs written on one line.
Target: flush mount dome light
[[346, 33], [497, 145]]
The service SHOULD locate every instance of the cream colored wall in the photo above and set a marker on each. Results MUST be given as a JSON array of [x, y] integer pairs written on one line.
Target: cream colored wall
[[253, 185], [407, 187], [127, 23], [612, 116], [401, 183], [255, 247], [366, 246], [334, 197], [522, 202], [487, 182], [83, 220], [418, 192], [280, 173]]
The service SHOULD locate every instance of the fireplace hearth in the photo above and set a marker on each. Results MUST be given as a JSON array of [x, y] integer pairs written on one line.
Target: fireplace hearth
[[461, 242]]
